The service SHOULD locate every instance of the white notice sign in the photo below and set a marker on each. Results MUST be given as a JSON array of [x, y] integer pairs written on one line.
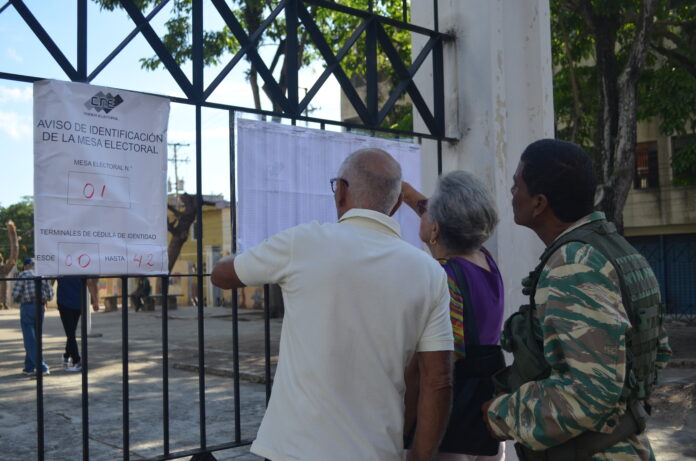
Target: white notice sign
[[100, 171]]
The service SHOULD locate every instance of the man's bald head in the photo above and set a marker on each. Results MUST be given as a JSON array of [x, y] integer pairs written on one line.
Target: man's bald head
[[375, 179]]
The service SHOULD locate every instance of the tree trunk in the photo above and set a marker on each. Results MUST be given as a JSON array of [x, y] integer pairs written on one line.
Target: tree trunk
[[6, 266], [254, 82], [623, 143], [615, 133], [179, 224]]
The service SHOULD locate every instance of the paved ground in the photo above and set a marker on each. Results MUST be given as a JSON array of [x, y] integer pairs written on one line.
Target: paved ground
[[62, 390], [672, 430]]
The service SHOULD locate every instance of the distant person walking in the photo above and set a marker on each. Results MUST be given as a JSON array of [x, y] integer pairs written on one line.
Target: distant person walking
[[70, 310], [23, 292]]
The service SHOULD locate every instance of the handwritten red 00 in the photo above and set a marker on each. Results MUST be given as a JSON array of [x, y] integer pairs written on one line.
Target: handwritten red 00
[[84, 260]]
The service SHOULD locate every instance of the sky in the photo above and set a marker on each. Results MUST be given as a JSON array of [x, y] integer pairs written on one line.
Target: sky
[[22, 53]]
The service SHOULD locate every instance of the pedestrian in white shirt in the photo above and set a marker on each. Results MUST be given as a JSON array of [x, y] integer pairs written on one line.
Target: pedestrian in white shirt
[[360, 302]]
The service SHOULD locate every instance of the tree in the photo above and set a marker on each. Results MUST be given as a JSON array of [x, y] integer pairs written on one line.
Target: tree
[[6, 266], [617, 62], [179, 221], [335, 27], [22, 215]]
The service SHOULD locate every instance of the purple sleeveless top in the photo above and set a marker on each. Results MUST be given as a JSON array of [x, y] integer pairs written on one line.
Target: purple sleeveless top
[[487, 297]]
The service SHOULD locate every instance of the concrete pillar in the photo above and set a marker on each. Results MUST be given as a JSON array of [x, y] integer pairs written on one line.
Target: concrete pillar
[[498, 99]]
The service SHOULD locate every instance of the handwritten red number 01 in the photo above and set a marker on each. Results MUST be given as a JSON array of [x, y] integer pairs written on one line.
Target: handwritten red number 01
[[88, 190], [148, 260]]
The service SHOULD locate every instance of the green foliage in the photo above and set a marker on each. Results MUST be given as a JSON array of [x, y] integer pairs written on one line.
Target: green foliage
[[669, 93], [667, 86], [22, 214], [684, 165]]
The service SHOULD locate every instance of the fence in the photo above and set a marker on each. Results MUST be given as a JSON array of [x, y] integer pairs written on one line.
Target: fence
[[371, 28]]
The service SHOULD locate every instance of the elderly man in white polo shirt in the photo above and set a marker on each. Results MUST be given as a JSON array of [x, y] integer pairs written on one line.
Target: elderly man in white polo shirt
[[359, 303]]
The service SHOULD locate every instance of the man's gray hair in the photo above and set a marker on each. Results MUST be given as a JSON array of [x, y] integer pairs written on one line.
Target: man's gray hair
[[374, 179], [465, 211]]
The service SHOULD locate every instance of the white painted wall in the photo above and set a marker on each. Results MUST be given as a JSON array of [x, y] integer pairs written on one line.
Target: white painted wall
[[498, 99]]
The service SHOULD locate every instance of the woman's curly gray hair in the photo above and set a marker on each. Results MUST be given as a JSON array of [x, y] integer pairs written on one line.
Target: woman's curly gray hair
[[464, 209]]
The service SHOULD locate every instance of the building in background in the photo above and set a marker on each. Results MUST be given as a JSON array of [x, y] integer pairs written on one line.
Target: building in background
[[660, 218]]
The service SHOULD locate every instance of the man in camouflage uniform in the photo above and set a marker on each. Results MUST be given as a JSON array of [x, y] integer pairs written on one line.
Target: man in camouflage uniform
[[578, 318]]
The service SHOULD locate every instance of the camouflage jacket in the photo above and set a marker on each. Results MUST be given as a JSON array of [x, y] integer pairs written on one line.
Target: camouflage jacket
[[581, 318]]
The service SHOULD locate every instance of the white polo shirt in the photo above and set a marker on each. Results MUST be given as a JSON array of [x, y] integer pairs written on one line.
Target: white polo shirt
[[359, 301]]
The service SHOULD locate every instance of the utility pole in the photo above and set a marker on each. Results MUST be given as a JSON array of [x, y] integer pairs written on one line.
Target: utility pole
[[176, 160]]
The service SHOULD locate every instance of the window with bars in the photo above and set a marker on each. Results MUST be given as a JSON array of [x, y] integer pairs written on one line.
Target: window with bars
[[646, 171]]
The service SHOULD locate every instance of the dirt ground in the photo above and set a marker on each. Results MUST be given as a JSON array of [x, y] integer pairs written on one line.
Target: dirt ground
[[682, 339], [672, 427]]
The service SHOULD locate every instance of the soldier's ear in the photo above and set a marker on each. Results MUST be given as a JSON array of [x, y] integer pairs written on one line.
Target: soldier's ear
[[539, 205]]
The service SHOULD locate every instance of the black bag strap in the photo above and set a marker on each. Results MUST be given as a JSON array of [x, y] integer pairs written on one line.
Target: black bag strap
[[471, 334]]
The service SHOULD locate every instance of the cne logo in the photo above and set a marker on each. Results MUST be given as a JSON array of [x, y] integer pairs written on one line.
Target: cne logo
[[103, 102]]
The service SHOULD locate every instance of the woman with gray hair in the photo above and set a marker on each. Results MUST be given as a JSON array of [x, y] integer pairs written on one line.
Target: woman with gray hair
[[455, 222]]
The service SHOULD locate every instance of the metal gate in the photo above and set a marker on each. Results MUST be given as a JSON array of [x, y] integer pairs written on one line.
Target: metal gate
[[290, 106], [673, 258]]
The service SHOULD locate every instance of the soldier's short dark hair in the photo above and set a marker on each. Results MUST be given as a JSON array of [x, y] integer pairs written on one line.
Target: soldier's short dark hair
[[563, 172]]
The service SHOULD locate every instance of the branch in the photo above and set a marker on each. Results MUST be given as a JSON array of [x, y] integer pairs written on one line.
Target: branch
[[175, 211], [639, 47], [583, 8], [688, 64], [671, 36]]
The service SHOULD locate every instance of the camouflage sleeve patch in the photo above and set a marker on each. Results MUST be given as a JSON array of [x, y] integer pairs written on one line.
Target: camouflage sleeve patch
[[583, 323]]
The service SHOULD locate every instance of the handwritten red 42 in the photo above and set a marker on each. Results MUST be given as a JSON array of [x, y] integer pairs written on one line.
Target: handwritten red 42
[[147, 257]]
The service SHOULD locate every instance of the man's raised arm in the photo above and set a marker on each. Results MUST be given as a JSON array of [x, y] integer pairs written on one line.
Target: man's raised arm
[[224, 274]]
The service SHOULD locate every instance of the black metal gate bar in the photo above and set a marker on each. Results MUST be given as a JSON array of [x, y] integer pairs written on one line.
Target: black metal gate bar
[[124, 358], [84, 360], [291, 47], [267, 338], [371, 71], [82, 40], [197, 61], [235, 300], [38, 366], [439, 157], [265, 113], [165, 362]]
